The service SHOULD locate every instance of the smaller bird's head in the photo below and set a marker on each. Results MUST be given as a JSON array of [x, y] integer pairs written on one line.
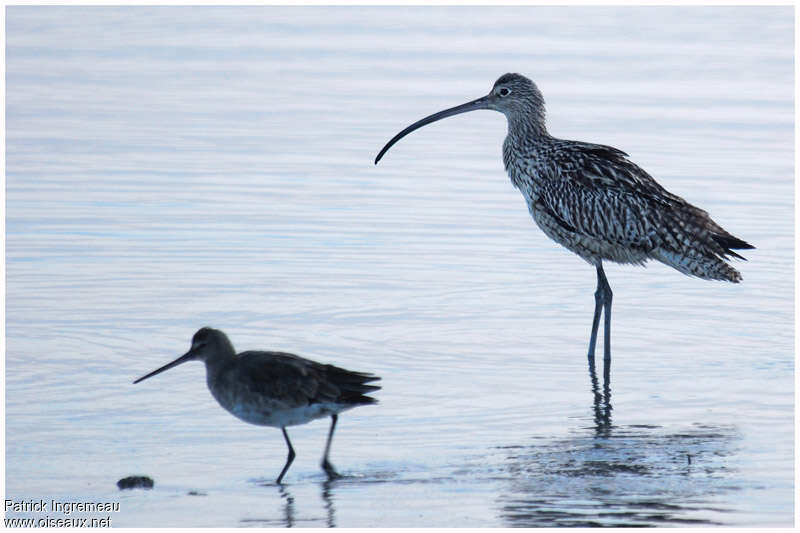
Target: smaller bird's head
[[514, 95], [207, 344]]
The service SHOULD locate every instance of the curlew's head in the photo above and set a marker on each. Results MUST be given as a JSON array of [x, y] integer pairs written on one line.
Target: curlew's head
[[514, 95], [207, 344]]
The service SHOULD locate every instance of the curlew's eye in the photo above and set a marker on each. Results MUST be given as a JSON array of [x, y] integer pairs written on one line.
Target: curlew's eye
[[504, 91]]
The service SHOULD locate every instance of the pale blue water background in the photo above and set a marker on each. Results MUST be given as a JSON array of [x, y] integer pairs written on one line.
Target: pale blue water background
[[170, 168]]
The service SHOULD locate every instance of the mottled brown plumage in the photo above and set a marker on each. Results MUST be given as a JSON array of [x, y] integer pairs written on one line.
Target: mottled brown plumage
[[275, 388], [594, 201]]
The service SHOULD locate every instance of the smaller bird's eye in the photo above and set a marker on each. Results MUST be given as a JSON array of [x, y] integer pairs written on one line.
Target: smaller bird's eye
[[201, 338], [504, 91]]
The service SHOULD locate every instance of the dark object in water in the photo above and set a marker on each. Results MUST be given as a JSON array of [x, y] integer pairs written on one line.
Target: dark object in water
[[135, 482]]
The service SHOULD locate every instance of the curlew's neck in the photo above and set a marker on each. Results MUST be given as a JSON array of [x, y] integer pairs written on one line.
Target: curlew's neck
[[527, 138], [527, 125]]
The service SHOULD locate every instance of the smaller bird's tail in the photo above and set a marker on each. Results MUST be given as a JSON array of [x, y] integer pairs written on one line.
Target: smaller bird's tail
[[353, 386]]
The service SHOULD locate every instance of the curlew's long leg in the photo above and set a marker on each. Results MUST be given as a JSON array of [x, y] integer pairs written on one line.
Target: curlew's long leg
[[602, 303], [289, 459], [607, 297], [598, 308], [326, 465]]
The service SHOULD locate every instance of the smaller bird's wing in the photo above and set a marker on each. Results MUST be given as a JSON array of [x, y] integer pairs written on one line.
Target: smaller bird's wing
[[298, 381], [293, 380]]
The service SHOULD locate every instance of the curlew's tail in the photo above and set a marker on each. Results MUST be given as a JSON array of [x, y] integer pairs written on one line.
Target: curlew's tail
[[729, 243], [703, 253]]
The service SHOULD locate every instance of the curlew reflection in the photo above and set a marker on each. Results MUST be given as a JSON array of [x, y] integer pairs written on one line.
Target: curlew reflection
[[601, 399], [620, 476], [635, 475], [642, 476]]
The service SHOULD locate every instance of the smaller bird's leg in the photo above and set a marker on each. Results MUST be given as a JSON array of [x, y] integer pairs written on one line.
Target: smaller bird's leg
[[326, 465], [289, 459], [599, 296]]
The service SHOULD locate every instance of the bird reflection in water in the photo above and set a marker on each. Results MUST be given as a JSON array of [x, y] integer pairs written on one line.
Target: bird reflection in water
[[601, 404], [288, 508], [327, 497], [290, 518], [641, 475]]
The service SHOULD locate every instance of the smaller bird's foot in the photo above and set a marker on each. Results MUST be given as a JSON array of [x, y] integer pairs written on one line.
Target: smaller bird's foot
[[328, 468]]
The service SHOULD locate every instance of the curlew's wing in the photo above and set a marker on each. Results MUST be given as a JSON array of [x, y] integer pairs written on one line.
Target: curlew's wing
[[596, 191], [603, 168], [299, 381]]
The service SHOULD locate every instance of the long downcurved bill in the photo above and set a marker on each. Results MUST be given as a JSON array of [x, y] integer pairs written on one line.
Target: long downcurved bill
[[188, 356], [480, 103]]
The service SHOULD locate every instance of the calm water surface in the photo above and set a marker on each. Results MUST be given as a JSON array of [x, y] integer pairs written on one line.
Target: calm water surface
[[170, 168]]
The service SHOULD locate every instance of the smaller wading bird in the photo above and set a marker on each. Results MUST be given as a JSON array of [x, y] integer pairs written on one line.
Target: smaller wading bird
[[274, 388], [594, 201]]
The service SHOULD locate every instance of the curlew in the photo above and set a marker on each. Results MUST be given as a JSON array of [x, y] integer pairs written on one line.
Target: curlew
[[274, 388], [593, 200]]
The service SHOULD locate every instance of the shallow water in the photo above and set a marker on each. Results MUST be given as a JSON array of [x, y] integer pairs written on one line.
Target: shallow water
[[170, 168]]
